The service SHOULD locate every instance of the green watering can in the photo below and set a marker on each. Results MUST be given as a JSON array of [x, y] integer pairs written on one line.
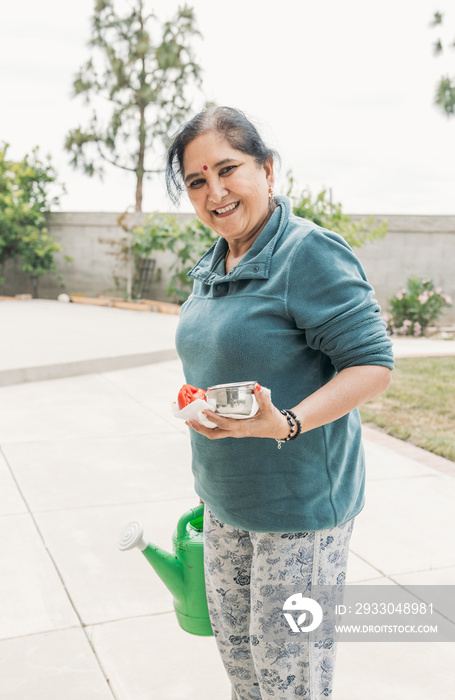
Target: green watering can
[[182, 572]]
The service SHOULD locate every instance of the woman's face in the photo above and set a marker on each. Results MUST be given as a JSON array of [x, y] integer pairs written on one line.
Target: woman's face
[[227, 188]]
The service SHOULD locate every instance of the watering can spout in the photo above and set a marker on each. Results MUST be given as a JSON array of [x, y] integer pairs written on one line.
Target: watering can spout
[[166, 565]]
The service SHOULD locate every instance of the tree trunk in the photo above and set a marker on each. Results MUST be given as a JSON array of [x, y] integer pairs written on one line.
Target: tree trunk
[[34, 279], [142, 132], [140, 177], [140, 157]]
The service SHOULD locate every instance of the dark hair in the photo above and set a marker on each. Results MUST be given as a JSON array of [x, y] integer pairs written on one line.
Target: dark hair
[[227, 121]]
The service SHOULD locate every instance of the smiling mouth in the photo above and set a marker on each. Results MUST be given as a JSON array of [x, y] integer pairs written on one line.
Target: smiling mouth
[[227, 209]]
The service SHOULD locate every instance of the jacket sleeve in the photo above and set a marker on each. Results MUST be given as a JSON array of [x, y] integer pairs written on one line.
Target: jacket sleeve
[[330, 299]]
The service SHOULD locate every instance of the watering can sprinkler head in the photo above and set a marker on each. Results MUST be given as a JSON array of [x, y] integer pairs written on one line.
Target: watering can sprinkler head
[[132, 536], [182, 572]]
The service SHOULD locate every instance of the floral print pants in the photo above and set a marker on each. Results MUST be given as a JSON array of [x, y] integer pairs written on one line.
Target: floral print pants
[[248, 577]]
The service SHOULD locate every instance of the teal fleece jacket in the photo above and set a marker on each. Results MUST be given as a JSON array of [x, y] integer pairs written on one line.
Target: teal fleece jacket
[[296, 310]]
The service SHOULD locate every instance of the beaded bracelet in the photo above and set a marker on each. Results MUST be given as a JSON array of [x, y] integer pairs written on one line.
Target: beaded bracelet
[[299, 425], [293, 432]]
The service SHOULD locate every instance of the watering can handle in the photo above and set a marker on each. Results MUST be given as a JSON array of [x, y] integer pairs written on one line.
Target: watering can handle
[[186, 517]]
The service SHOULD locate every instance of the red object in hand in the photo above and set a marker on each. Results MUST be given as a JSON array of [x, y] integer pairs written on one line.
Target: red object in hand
[[189, 393]]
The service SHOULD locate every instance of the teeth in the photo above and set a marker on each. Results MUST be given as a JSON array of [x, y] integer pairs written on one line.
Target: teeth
[[225, 209]]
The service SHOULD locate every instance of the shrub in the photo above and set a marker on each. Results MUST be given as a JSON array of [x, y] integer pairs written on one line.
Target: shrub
[[191, 240], [188, 241], [323, 212], [28, 190], [412, 310]]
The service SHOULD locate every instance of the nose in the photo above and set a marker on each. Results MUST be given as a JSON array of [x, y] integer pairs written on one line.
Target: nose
[[216, 191]]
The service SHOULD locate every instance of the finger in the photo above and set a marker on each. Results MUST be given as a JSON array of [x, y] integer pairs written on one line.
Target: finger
[[263, 397], [198, 427], [229, 427], [220, 421], [211, 433]]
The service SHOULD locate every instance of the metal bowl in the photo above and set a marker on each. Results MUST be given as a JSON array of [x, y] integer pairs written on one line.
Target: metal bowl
[[232, 399]]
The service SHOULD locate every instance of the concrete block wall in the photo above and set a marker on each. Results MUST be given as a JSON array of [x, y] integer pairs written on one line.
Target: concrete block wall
[[92, 240], [415, 245]]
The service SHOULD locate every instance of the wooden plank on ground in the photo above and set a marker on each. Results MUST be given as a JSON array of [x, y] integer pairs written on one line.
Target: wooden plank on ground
[[132, 305]]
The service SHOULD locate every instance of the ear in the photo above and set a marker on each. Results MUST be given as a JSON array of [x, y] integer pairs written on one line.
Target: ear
[[269, 174]]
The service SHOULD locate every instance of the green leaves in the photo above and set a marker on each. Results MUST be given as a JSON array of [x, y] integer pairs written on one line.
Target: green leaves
[[101, 5], [437, 47], [36, 250], [445, 90], [437, 19], [445, 95], [188, 241], [328, 214], [28, 189]]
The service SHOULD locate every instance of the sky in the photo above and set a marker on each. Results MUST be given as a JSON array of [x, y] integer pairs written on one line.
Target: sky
[[343, 90]]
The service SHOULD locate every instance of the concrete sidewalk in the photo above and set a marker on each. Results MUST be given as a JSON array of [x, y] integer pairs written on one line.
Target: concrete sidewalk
[[50, 340], [83, 454]]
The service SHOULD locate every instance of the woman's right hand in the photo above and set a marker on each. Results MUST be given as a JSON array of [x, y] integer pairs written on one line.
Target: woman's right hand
[[268, 422]]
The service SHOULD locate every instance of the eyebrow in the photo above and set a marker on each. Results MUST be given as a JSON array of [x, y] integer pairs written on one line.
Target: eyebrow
[[217, 165]]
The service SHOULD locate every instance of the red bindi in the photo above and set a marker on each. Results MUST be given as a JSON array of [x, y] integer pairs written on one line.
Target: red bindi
[[204, 167]]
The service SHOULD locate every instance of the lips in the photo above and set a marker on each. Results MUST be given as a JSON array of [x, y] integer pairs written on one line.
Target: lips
[[227, 209]]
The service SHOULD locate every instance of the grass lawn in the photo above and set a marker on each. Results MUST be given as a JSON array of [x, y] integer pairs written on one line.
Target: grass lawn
[[420, 404]]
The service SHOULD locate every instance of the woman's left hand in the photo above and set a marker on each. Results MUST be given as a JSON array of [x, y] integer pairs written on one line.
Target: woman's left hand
[[268, 422]]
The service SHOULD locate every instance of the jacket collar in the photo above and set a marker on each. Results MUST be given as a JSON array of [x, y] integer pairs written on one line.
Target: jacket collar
[[256, 262]]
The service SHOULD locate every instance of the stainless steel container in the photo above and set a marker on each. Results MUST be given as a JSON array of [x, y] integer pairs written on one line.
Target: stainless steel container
[[235, 399]]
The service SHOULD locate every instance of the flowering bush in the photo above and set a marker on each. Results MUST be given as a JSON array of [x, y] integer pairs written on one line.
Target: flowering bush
[[411, 310]]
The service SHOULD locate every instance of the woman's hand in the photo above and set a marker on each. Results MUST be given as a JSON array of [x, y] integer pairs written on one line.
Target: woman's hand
[[268, 422]]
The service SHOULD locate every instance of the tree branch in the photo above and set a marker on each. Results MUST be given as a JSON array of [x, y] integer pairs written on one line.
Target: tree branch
[[112, 162]]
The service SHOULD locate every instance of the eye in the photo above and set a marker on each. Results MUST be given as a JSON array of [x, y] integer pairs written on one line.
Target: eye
[[227, 170], [196, 183]]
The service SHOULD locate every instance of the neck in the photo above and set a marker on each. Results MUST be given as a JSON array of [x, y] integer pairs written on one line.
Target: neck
[[237, 249]]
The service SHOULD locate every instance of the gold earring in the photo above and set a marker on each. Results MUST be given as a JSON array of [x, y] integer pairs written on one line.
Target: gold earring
[[271, 192]]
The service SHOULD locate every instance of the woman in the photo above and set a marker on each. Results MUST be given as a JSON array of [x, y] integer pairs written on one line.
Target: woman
[[283, 302]]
